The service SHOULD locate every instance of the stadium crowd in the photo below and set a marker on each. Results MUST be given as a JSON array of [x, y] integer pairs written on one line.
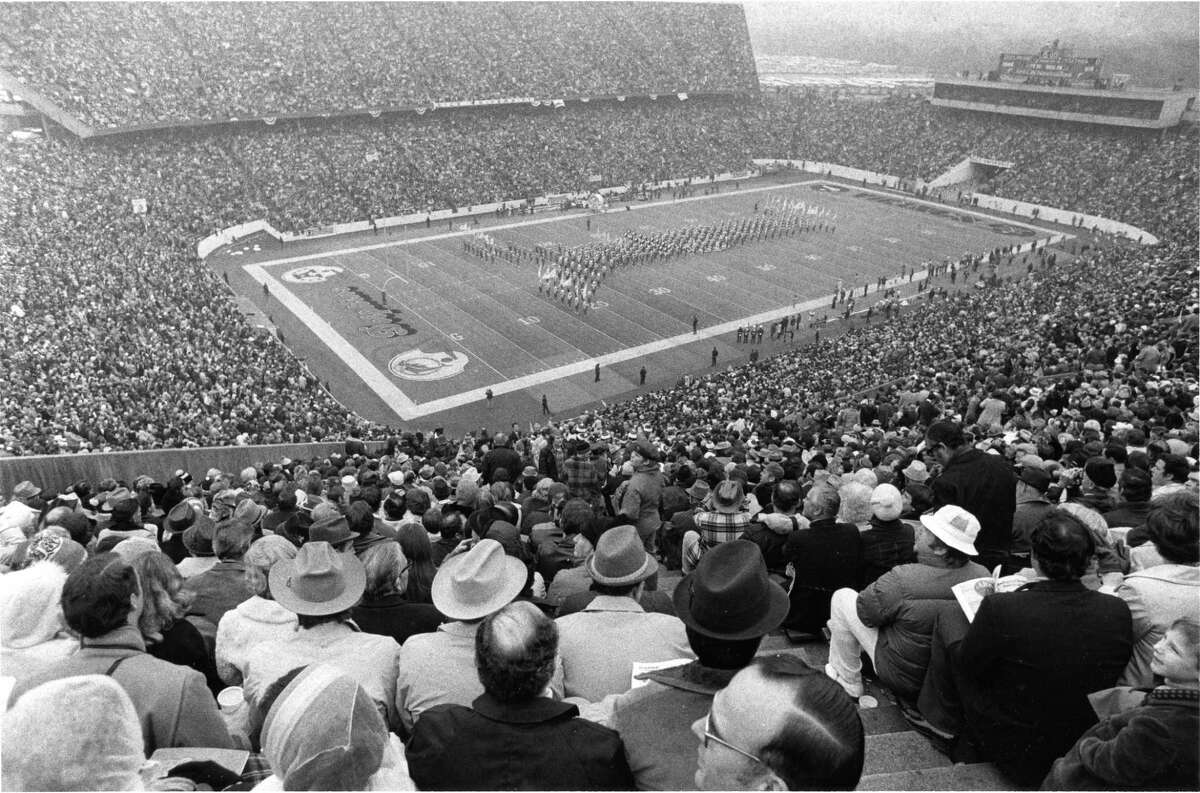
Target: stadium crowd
[[494, 597], [128, 65], [126, 275]]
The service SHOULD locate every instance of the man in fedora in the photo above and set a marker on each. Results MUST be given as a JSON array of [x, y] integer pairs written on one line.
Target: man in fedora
[[513, 736], [321, 586], [892, 620], [439, 668], [727, 604], [600, 644]]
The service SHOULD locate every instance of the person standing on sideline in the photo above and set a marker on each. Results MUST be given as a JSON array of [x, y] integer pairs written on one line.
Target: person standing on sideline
[[642, 376], [714, 356], [545, 406], [488, 396], [597, 380], [695, 324]]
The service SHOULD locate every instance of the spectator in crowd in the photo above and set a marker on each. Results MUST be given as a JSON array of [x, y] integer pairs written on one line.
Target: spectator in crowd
[[642, 495], [1032, 506], [449, 537], [220, 588], [1169, 475], [321, 586], [980, 483], [1152, 745], [655, 719], [32, 632], [163, 624], [893, 618], [770, 530], [93, 741], [18, 518], [601, 643], [516, 736], [324, 732], [725, 521], [780, 725], [418, 553], [102, 603], [1135, 488], [439, 668], [821, 559], [889, 541], [385, 610], [1159, 595], [197, 540], [1053, 640], [259, 618]]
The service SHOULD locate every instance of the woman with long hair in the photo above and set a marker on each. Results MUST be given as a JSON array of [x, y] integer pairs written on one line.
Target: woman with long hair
[[385, 609], [414, 542], [168, 634]]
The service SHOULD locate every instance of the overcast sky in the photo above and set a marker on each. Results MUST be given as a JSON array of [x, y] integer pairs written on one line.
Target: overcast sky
[[1153, 41]]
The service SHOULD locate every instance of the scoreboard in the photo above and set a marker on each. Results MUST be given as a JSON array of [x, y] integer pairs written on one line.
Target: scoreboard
[[1051, 66]]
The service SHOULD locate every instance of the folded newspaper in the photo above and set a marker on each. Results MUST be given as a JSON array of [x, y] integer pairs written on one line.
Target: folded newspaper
[[971, 593]]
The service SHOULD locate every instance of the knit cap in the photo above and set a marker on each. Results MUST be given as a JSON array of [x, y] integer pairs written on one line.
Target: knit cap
[[93, 741], [324, 732], [30, 612]]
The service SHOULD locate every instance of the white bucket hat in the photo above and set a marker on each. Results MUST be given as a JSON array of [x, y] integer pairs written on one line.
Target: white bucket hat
[[954, 526]]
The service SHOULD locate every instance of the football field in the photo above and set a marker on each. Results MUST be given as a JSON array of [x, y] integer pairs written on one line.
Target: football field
[[416, 327]]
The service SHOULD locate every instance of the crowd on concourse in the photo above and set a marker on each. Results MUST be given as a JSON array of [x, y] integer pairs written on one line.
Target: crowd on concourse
[[135, 64]]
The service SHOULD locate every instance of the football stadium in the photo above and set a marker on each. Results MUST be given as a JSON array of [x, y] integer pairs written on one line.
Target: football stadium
[[546, 395]]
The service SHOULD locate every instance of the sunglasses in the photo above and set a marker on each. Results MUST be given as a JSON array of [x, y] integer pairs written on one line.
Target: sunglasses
[[709, 735]]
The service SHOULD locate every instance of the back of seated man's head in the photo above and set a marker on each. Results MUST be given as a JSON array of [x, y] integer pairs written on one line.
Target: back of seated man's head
[[786, 496], [1174, 527], [1135, 485], [1062, 546], [432, 520], [944, 432], [780, 725], [452, 525], [515, 651], [97, 597], [822, 502]]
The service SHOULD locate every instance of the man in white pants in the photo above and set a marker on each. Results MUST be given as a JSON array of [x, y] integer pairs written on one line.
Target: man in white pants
[[892, 620]]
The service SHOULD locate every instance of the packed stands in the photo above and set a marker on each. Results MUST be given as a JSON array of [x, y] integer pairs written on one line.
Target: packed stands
[[144, 63], [1075, 372]]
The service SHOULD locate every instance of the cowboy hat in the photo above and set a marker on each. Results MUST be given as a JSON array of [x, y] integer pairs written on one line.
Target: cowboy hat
[[319, 581], [483, 580]]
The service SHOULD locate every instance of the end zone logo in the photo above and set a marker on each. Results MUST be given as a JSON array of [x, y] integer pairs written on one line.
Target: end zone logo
[[418, 365], [315, 274]]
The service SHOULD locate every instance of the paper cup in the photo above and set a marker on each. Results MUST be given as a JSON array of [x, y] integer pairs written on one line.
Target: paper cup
[[231, 698]]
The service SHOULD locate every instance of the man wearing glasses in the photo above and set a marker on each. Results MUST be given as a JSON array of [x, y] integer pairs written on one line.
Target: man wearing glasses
[[780, 725]]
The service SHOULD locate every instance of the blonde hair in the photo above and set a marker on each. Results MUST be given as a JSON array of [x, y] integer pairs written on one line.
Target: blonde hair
[[163, 598], [385, 564], [260, 557]]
